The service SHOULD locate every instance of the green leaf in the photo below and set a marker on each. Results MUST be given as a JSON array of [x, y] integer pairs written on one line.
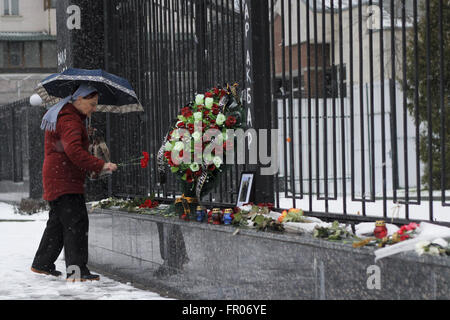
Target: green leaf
[[175, 169]]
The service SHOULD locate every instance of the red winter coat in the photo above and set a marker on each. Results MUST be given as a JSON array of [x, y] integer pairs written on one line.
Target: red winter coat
[[67, 159]]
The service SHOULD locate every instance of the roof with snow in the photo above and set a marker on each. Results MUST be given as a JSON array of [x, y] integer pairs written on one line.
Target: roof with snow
[[25, 36]]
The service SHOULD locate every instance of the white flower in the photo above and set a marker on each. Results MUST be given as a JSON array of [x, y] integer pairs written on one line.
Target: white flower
[[198, 116], [434, 251], [197, 136], [209, 103], [175, 135], [221, 119], [178, 146], [194, 167], [200, 99], [169, 146], [420, 247], [217, 161]]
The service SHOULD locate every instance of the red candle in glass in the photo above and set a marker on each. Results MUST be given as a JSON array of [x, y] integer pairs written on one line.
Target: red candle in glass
[[380, 230]]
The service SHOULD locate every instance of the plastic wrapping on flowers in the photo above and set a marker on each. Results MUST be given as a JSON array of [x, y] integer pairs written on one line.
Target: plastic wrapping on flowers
[[196, 145]]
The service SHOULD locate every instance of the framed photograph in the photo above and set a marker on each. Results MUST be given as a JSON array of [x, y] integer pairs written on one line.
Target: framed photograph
[[245, 194]]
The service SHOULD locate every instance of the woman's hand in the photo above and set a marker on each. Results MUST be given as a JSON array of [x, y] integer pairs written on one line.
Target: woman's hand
[[109, 167]]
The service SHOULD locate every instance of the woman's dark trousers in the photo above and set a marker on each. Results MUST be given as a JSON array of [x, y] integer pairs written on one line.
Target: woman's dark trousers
[[68, 227]]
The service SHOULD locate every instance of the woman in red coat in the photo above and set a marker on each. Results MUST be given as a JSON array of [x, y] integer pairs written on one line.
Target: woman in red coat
[[66, 164]]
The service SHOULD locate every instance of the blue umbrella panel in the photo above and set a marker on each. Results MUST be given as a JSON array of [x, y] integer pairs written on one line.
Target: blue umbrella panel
[[115, 93]]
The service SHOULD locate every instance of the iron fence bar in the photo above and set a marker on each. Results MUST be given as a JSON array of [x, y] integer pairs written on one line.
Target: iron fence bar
[[416, 101], [325, 113], [152, 79], [300, 96], [291, 107], [442, 107], [223, 77], [352, 111], [372, 115], [405, 111], [334, 96], [316, 99], [383, 111], [274, 99], [283, 93], [361, 110], [393, 109], [308, 57], [429, 114], [341, 62]]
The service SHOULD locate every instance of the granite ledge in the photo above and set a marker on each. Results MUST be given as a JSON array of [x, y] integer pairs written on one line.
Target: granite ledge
[[303, 239]]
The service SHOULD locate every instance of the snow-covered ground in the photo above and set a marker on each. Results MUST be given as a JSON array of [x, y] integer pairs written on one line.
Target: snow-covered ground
[[18, 244]]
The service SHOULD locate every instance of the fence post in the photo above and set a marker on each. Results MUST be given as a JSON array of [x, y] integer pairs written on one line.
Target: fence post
[[200, 34], [257, 83], [80, 43]]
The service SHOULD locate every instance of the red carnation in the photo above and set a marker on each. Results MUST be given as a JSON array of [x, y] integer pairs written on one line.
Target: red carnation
[[189, 177], [206, 112], [181, 125], [209, 95], [215, 110], [191, 128], [216, 91], [144, 163], [231, 121], [212, 167], [168, 155], [146, 155], [186, 112]]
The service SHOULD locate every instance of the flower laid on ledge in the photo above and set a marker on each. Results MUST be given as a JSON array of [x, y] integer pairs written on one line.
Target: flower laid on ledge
[[142, 161], [438, 247], [149, 204], [292, 215], [334, 233]]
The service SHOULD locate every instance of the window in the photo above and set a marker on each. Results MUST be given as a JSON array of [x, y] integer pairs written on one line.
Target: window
[[11, 7], [49, 4], [30, 56], [15, 53]]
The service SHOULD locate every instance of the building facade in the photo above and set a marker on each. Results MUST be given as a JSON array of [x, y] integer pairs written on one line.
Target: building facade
[[27, 46]]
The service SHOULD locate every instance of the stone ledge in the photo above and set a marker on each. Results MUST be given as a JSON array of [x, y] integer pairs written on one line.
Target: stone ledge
[[208, 262]]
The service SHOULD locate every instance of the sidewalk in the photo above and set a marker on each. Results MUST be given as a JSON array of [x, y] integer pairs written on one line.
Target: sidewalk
[[19, 239]]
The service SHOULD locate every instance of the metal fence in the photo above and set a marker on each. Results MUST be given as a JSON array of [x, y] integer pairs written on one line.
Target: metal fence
[[169, 50], [14, 141], [359, 93]]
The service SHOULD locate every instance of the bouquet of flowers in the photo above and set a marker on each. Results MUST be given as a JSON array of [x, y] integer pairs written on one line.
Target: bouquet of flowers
[[196, 145]]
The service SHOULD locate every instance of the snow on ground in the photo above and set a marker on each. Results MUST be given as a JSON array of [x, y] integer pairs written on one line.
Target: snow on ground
[[18, 244]]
